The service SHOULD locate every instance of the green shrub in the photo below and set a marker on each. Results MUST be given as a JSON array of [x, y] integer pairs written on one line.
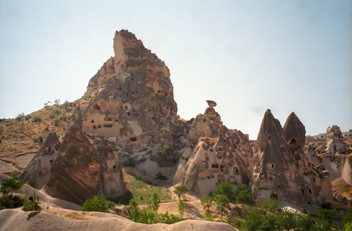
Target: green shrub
[[97, 203], [10, 201], [165, 151], [57, 111], [36, 119], [206, 201], [31, 203], [181, 190], [244, 196], [156, 201], [160, 176], [225, 188], [11, 185], [20, 117], [168, 219], [149, 216], [130, 162], [38, 138], [7, 188], [181, 207]]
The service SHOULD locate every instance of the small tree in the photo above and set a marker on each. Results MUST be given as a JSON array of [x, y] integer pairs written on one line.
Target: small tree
[[8, 187], [181, 190], [11, 185], [156, 201], [97, 203], [206, 202]]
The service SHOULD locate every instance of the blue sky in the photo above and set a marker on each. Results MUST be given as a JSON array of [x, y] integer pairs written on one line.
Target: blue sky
[[248, 56]]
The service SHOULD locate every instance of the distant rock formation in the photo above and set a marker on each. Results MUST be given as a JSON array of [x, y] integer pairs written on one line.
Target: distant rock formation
[[282, 171], [39, 168], [81, 171]]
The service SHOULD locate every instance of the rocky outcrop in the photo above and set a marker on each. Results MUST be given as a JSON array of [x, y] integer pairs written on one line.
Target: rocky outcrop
[[39, 168], [219, 154], [283, 173], [294, 132], [81, 171], [131, 95]]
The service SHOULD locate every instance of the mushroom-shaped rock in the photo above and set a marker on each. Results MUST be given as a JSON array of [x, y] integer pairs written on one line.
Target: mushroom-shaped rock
[[211, 103]]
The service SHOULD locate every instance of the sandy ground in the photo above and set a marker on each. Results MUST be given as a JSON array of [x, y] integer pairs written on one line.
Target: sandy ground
[[15, 219]]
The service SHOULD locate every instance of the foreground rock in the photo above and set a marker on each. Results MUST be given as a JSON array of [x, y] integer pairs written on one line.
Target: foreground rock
[[15, 219]]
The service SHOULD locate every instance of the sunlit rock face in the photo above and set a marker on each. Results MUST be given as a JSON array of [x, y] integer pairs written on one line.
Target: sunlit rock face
[[283, 171], [83, 169], [131, 94]]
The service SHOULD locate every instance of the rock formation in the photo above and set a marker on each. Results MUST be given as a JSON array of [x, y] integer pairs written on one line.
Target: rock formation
[[130, 95], [81, 171], [284, 173], [294, 132], [39, 168], [219, 154]]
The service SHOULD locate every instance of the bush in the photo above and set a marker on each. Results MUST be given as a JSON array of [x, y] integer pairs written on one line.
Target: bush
[[8, 187], [206, 201], [181, 207], [156, 201], [130, 162], [165, 151], [97, 203], [149, 216], [20, 117], [180, 190], [38, 138], [57, 111], [36, 119], [31, 203], [11, 185], [160, 176], [225, 188], [10, 201], [222, 203], [244, 196]]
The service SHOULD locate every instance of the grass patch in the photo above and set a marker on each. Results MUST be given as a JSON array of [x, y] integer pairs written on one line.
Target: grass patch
[[142, 192]]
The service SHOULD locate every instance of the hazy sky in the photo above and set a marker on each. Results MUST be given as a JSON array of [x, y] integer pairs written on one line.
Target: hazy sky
[[248, 56]]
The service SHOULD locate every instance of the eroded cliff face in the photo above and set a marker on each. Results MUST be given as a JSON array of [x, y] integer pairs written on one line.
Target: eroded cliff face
[[283, 171]]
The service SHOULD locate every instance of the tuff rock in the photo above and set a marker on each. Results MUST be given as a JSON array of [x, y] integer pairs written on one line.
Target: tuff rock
[[285, 174]]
